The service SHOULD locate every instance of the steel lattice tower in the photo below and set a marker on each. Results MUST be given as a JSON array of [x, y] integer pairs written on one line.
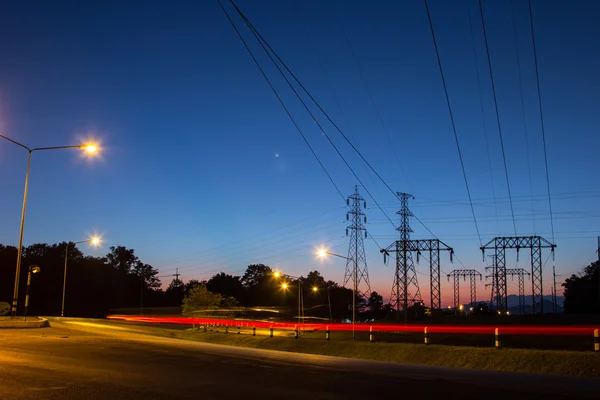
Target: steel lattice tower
[[520, 274], [405, 277], [356, 263], [464, 273], [535, 244]]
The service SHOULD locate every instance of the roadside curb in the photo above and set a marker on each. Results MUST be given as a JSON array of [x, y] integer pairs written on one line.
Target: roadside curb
[[20, 324]]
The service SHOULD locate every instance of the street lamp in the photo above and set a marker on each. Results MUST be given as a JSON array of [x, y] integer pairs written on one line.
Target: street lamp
[[33, 269], [95, 241], [88, 148], [285, 286], [322, 253], [315, 290]]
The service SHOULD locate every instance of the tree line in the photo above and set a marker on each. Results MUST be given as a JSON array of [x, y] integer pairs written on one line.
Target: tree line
[[96, 285]]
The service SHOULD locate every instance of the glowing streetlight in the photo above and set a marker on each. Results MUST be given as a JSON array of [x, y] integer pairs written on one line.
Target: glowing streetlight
[[276, 274], [322, 253], [89, 148], [461, 307], [315, 289], [33, 269], [94, 241], [284, 286]]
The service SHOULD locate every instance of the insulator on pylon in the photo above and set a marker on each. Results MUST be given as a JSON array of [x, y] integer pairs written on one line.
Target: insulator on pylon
[[365, 219], [365, 234], [385, 258], [346, 217], [347, 202], [346, 231], [365, 204]]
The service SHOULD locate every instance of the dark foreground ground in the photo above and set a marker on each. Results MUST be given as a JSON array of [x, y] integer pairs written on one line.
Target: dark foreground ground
[[93, 361]]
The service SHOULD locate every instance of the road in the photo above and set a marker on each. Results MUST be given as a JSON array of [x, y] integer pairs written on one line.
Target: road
[[93, 361]]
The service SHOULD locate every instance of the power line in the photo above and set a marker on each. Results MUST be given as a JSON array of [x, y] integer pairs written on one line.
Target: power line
[[485, 130], [265, 45], [280, 100], [539, 95], [437, 53], [487, 51], [313, 100], [514, 26]]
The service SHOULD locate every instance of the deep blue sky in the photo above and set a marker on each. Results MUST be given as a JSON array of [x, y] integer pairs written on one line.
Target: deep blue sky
[[202, 170]]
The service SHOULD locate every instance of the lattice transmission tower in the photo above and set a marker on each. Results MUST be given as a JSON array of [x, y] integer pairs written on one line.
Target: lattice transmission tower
[[464, 273], [535, 244], [356, 263], [520, 274], [405, 277]]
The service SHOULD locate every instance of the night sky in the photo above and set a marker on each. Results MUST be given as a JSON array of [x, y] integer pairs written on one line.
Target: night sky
[[202, 170]]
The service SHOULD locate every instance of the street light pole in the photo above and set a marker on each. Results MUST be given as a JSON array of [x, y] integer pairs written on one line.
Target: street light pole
[[33, 269], [95, 241], [90, 148], [323, 253]]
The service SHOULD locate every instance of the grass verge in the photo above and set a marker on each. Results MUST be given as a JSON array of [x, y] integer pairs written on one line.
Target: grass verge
[[583, 364]]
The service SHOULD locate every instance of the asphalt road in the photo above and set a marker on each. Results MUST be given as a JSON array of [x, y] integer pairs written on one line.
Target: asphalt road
[[91, 361]]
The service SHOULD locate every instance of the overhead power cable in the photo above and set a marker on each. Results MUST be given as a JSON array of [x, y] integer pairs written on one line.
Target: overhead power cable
[[487, 51], [270, 53], [537, 79], [280, 100], [462, 164], [526, 135], [485, 130]]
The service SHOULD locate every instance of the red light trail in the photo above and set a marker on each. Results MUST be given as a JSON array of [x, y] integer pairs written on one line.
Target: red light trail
[[454, 329]]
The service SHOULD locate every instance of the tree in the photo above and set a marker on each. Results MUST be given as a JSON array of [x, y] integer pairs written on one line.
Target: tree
[[200, 298], [581, 291], [121, 258], [255, 275], [191, 283], [259, 285], [147, 273], [375, 305], [175, 293], [226, 285]]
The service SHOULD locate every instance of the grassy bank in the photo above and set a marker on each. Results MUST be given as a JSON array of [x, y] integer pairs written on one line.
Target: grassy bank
[[585, 364]]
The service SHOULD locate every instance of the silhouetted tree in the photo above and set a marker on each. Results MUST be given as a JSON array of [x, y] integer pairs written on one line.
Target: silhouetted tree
[[260, 285], [175, 293], [581, 291], [226, 285], [375, 305]]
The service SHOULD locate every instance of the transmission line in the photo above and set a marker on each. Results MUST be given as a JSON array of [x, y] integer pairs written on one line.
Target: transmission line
[[514, 26], [537, 79], [267, 48], [437, 53], [280, 100], [487, 51]]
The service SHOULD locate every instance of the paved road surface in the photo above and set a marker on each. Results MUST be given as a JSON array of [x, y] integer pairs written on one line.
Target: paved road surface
[[89, 361]]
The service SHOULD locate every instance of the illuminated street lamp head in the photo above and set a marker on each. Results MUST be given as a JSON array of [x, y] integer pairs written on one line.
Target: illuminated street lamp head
[[284, 286], [461, 307], [276, 274], [322, 253], [34, 269], [95, 241], [90, 148], [315, 289]]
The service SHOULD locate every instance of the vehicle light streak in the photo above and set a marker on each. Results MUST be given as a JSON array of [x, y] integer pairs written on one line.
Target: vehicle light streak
[[549, 330]]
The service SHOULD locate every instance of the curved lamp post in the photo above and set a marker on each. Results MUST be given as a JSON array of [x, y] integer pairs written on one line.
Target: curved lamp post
[[89, 148], [323, 253], [95, 241]]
